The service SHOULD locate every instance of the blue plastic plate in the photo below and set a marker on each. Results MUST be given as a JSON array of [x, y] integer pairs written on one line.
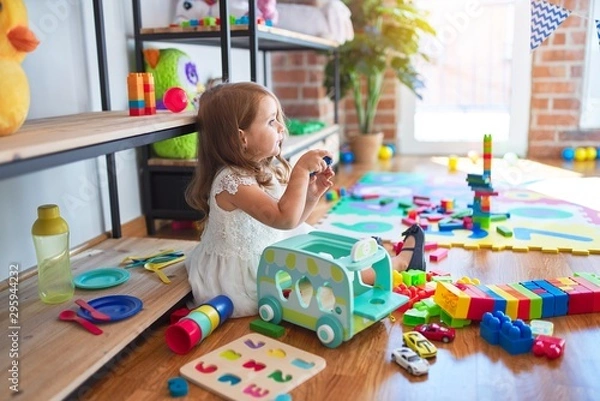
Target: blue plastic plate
[[118, 307], [103, 277]]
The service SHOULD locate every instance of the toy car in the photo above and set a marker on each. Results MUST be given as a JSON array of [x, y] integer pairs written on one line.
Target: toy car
[[409, 360], [422, 346], [552, 347], [435, 332]]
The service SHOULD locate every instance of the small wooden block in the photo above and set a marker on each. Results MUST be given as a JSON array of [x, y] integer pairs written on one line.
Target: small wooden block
[[438, 255], [266, 328], [504, 231]]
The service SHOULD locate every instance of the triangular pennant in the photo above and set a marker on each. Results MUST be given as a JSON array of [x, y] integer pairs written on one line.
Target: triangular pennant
[[598, 29], [545, 18]]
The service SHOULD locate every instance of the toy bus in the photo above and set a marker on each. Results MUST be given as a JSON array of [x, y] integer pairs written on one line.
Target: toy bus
[[313, 280]]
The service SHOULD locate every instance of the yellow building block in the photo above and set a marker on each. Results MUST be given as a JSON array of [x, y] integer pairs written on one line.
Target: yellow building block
[[452, 300]]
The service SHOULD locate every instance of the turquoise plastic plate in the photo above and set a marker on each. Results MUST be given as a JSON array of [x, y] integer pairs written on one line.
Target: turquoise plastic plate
[[103, 277]]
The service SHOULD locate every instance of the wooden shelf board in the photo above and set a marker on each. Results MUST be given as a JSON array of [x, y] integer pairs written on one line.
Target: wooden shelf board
[[269, 37], [56, 357], [59, 134]]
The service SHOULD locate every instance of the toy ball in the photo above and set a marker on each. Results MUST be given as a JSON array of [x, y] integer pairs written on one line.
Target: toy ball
[[347, 157], [580, 154], [385, 152], [175, 99], [511, 158], [568, 154], [452, 163], [473, 156], [591, 153], [392, 147]]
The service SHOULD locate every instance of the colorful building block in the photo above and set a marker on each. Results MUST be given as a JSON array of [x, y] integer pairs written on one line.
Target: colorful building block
[[438, 255], [266, 328], [516, 337], [452, 300], [489, 328]]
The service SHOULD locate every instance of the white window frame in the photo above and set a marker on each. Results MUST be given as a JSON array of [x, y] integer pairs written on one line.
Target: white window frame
[[590, 99], [519, 104]]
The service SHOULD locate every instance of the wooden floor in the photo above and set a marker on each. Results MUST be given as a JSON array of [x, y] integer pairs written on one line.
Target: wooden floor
[[360, 369]]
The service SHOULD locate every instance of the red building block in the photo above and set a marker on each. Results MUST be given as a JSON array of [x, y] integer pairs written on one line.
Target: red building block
[[438, 255]]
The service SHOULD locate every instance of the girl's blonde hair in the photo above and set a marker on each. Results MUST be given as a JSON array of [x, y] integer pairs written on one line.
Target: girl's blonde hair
[[223, 111]]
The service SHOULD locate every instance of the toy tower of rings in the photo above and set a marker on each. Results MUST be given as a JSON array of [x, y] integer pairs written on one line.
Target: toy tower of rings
[[481, 185]]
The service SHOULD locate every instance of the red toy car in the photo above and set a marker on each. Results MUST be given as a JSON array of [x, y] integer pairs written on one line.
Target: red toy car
[[552, 347], [436, 332]]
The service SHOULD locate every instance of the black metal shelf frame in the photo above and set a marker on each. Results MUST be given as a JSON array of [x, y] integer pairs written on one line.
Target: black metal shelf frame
[[251, 39]]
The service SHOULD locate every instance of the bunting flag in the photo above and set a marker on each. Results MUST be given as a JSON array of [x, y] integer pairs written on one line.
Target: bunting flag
[[545, 18], [598, 29]]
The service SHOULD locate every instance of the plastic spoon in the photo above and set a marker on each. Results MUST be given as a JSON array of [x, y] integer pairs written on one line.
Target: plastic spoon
[[69, 315], [160, 274], [96, 314]]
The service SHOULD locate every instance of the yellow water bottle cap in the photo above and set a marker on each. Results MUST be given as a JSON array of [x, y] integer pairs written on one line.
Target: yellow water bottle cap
[[49, 221], [48, 212]]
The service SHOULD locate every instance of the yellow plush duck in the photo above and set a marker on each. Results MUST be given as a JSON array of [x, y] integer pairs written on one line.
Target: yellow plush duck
[[16, 39]]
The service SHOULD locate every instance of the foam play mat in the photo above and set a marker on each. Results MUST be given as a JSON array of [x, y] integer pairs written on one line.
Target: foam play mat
[[536, 221]]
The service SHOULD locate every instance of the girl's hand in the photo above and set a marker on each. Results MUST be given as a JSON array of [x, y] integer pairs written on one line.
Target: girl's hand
[[319, 184], [313, 162]]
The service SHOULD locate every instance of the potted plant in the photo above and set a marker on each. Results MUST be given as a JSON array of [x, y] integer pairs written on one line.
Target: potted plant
[[387, 36]]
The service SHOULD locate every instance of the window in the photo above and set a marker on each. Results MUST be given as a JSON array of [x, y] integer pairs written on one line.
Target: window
[[477, 83], [590, 105]]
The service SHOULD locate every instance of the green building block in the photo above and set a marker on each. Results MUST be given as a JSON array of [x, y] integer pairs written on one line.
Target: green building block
[[266, 328], [504, 231], [429, 305], [414, 317], [453, 322], [414, 277]]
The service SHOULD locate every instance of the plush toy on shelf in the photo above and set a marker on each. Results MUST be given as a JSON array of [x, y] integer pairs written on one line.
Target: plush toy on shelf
[[187, 10], [174, 68], [16, 39]]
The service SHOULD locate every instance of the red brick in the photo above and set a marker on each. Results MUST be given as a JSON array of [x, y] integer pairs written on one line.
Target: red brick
[[557, 119], [313, 92], [286, 93], [540, 103], [547, 71], [577, 37], [292, 76], [544, 151], [563, 55], [592, 136], [566, 104], [559, 38], [576, 71], [536, 135], [553, 87]]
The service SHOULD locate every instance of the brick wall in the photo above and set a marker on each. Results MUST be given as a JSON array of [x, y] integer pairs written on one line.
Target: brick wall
[[557, 87]]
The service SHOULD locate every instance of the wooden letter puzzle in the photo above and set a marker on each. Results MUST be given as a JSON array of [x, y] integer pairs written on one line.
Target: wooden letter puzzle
[[253, 367]]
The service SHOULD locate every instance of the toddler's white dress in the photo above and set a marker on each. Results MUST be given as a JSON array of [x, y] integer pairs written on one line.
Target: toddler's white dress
[[226, 259]]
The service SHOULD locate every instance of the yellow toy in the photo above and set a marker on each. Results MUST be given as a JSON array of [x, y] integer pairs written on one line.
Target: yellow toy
[[16, 39]]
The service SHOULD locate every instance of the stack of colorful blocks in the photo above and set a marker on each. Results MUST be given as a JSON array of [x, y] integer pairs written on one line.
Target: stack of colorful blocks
[[525, 300], [141, 94]]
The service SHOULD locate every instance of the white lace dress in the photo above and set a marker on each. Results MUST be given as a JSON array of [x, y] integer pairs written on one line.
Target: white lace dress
[[226, 259]]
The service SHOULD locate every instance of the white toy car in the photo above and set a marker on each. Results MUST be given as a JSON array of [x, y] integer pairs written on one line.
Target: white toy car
[[409, 360]]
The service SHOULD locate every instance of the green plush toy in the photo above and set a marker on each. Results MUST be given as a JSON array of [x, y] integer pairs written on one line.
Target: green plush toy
[[172, 67]]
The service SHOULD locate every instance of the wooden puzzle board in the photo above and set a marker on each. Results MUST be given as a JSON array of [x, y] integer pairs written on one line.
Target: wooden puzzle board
[[253, 367], [538, 221]]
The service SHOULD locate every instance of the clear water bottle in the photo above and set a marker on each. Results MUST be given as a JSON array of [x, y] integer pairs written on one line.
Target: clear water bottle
[[51, 239]]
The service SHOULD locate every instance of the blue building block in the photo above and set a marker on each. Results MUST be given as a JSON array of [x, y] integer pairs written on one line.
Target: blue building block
[[489, 328], [547, 298], [178, 387], [561, 298], [516, 337]]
